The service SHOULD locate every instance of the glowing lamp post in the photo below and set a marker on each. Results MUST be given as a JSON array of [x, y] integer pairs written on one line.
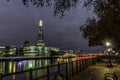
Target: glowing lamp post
[[108, 43], [109, 64], [40, 23]]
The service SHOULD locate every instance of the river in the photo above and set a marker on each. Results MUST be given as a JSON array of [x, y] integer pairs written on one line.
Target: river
[[15, 66]]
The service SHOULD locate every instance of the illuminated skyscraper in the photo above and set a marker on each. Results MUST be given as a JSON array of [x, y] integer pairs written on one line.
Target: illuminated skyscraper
[[40, 35]]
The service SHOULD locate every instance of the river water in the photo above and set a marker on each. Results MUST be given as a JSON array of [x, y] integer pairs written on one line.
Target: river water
[[14, 66]]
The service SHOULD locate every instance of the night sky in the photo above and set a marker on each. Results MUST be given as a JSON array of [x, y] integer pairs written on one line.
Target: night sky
[[19, 23]]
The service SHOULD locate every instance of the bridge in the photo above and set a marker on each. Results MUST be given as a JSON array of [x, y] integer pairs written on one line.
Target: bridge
[[80, 67]]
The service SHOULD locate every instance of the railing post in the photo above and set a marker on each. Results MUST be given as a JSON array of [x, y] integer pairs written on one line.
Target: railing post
[[72, 68], [58, 67], [80, 67], [83, 63], [1, 76], [88, 62], [66, 71], [48, 73], [76, 66], [31, 76]]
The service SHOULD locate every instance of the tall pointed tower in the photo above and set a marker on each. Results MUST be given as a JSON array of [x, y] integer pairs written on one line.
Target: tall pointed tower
[[40, 35]]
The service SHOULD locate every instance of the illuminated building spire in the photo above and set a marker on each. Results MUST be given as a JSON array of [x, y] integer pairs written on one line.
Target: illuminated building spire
[[40, 34], [40, 23]]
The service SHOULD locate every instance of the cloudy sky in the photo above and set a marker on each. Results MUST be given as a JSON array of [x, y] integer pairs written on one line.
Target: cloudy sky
[[19, 23]]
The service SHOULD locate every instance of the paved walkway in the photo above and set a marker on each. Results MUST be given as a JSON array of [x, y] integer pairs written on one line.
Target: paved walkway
[[97, 72]]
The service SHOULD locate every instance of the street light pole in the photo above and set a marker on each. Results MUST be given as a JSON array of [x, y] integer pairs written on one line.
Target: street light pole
[[108, 44], [108, 52]]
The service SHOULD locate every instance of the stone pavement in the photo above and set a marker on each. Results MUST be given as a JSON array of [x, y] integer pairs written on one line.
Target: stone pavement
[[97, 72]]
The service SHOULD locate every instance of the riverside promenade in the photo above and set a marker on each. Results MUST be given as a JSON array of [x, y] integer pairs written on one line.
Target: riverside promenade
[[97, 72]]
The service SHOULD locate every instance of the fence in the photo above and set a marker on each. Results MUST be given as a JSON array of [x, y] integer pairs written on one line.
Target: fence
[[52, 72]]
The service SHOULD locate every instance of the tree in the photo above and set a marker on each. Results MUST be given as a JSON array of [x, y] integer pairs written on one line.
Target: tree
[[106, 26], [60, 6]]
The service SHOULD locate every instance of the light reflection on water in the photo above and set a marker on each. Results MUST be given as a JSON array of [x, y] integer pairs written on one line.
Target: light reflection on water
[[10, 67], [15, 66]]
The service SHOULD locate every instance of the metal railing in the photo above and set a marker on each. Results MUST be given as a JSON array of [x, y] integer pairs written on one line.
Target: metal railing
[[51, 72]]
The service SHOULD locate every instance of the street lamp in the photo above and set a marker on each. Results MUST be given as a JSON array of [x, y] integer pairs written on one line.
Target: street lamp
[[108, 43], [109, 64]]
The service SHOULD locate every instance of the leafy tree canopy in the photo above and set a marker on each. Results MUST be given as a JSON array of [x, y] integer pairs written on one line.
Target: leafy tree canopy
[[60, 6], [106, 27]]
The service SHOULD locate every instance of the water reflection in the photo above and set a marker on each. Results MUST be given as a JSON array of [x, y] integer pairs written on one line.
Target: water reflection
[[10, 66], [15, 66]]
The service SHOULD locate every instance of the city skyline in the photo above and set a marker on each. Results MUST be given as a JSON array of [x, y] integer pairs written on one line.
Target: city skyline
[[19, 24]]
